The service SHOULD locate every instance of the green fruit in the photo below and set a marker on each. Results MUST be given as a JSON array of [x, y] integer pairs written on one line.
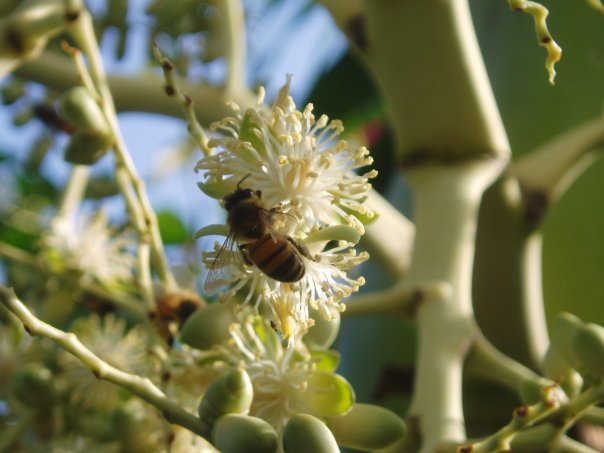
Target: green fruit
[[86, 148], [305, 433], [588, 346], [240, 433], [367, 427], [231, 393]]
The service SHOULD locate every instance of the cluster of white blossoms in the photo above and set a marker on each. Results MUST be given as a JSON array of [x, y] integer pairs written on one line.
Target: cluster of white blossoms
[[286, 381], [109, 339], [89, 246], [300, 168]]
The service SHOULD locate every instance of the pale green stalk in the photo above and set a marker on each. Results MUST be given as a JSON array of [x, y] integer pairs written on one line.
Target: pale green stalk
[[140, 93], [452, 139], [234, 37], [395, 256], [83, 32]]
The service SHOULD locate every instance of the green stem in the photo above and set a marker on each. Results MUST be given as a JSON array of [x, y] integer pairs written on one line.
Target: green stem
[[447, 200], [395, 256], [233, 34], [83, 32], [74, 192], [485, 360], [399, 300], [140, 93]]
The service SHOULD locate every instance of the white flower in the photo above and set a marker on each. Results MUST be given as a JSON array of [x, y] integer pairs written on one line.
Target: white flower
[[324, 285], [121, 348], [89, 246], [294, 160], [299, 168], [286, 381]]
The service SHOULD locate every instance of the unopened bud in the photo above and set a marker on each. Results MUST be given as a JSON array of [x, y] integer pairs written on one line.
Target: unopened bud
[[304, 433], [367, 427], [236, 433], [588, 346], [231, 393]]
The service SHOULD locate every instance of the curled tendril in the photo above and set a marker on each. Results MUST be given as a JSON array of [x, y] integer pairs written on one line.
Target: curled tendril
[[540, 13]]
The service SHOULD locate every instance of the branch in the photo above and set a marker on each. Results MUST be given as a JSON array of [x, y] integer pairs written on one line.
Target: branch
[[399, 300], [442, 105], [140, 93], [486, 361], [551, 168], [137, 385], [395, 255], [233, 34]]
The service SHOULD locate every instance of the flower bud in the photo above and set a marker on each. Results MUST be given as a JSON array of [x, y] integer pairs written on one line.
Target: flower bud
[[304, 433], [33, 386], [564, 329], [78, 107], [556, 368], [28, 28], [367, 427], [208, 326], [324, 331], [236, 433], [588, 346], [86, 148], [231, 393]]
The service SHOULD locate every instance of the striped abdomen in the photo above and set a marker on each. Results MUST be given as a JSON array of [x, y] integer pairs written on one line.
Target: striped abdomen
[[279, 259]]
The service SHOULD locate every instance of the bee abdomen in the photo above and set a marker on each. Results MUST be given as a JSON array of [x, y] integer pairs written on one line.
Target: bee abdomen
[[277, 259]]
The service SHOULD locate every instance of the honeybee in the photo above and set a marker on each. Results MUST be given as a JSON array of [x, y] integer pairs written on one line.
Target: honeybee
[[252, 227]]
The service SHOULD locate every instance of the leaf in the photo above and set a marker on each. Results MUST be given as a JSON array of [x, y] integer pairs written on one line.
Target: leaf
[[171, 228]]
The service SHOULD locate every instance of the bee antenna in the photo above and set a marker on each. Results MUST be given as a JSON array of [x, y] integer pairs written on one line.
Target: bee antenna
[[243, 179]]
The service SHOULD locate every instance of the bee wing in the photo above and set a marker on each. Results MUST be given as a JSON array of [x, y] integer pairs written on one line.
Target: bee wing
[[220, 272]]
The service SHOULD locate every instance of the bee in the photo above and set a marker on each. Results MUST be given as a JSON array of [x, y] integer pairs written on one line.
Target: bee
[[253, 227], [173, 309]]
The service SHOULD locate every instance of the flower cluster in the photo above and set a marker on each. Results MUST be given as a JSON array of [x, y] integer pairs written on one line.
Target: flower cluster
[[109, 339], [301, 169], [91, 248], [286, 381]]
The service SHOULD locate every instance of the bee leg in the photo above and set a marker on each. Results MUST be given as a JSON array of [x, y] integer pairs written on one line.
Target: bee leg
[[300, 247], [245, 254]]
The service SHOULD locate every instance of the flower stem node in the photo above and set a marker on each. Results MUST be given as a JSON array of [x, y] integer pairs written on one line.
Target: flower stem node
[[556, 368], [234, 433], [231, 393], [304, 433], [367, 427], [531, 390]]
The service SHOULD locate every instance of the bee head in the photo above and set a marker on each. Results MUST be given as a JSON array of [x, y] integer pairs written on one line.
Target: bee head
[[241, 196]]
